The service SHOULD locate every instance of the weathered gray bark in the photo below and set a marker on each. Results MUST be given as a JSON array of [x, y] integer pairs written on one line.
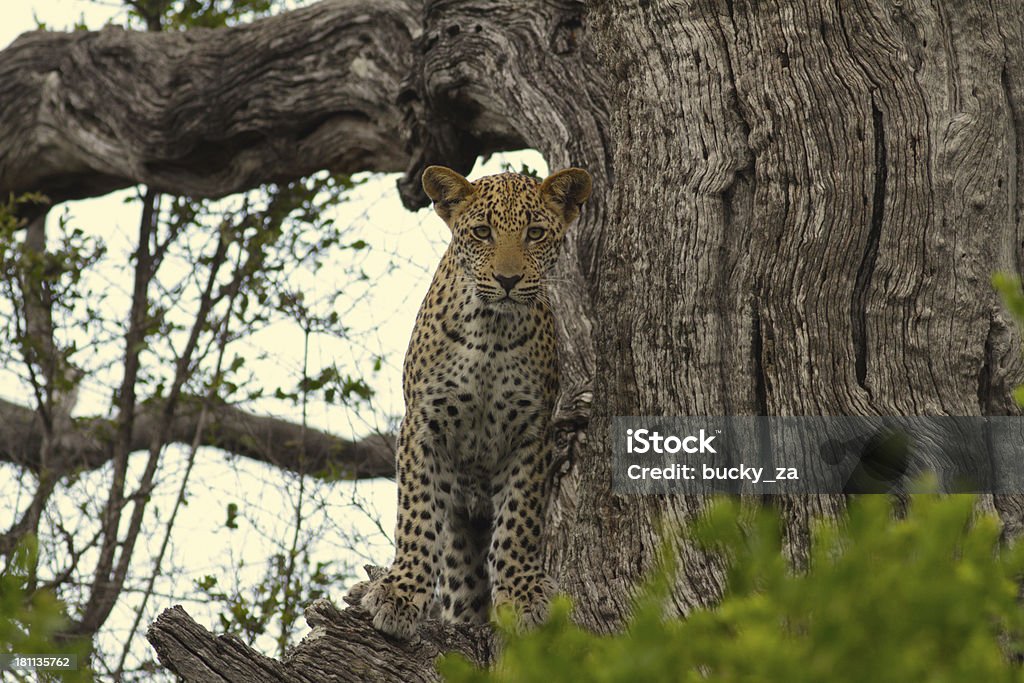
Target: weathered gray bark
[[797, 209], [206, 113], [811, 198], [342, 648], [767, 248]]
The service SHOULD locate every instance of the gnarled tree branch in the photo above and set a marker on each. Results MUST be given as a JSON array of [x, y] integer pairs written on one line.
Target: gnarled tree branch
[[343, 646], [267, 439], [206, 112]]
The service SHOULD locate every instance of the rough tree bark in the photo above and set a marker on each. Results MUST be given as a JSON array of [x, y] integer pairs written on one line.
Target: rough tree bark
[[797, 209], [206, 113]]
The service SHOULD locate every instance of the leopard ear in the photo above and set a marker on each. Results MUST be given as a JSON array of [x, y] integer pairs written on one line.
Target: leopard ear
[[567, 190], [446, 188]]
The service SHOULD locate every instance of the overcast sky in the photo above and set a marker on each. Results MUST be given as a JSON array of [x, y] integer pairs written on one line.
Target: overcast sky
[[16, 16]]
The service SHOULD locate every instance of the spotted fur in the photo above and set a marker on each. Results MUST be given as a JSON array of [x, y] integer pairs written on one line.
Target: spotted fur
[[480, 381]]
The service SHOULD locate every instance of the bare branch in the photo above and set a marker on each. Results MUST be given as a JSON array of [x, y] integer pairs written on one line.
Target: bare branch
[[103, 590], [29, 521], [267, 439]]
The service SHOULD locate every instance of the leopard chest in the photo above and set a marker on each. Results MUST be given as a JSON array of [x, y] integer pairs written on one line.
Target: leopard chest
[[483, 385]]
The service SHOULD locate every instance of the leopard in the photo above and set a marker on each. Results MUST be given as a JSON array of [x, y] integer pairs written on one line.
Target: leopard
[[480, 381]]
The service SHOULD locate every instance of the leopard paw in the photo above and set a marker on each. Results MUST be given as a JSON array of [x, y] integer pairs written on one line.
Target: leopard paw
[[355, 594], [529, 594], [395, 610]]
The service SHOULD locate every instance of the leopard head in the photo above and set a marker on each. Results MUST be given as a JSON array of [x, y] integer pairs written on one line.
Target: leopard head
[[507, 229]]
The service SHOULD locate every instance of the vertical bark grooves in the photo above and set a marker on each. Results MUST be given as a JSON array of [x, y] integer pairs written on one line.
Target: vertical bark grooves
[[861, 342], [985, 398], [1015, 149], [853, 281], [760, 371]]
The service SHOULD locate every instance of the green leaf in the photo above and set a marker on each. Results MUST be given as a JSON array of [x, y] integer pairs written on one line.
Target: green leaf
[[231, 521]]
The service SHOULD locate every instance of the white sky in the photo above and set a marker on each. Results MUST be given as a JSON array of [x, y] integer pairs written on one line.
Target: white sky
[[200, 543], [16, 16]]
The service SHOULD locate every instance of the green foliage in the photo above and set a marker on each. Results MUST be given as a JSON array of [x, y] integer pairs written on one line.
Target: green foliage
[[278, 237], [333, 387], [50, 278], [274, 604], [232, 519], [179, 15], [1009, 287], [31, 619], [932, 597], [523, 170]]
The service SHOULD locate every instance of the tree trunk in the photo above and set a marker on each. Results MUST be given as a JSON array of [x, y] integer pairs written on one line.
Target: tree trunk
[[809, 204], [797, 210]]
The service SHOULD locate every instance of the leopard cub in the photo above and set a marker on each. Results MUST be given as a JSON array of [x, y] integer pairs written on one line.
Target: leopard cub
[[480, 381]]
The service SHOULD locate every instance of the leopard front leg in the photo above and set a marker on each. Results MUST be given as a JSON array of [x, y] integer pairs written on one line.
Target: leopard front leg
[[514, 559], [397, 599]]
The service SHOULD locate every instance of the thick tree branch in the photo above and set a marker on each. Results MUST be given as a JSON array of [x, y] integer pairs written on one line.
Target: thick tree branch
[[267, 439], [207, 112], [343, 646], [343, 85]]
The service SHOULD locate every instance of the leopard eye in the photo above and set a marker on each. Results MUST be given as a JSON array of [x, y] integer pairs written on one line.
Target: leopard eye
[[482, 232], [535, 234]]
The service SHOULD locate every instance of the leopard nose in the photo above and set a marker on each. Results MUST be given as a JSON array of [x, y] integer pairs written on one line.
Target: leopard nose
[[507, 282]]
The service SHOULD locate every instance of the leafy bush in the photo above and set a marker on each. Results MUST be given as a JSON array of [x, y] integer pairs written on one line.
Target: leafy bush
[[30, 620], [932, 597]]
